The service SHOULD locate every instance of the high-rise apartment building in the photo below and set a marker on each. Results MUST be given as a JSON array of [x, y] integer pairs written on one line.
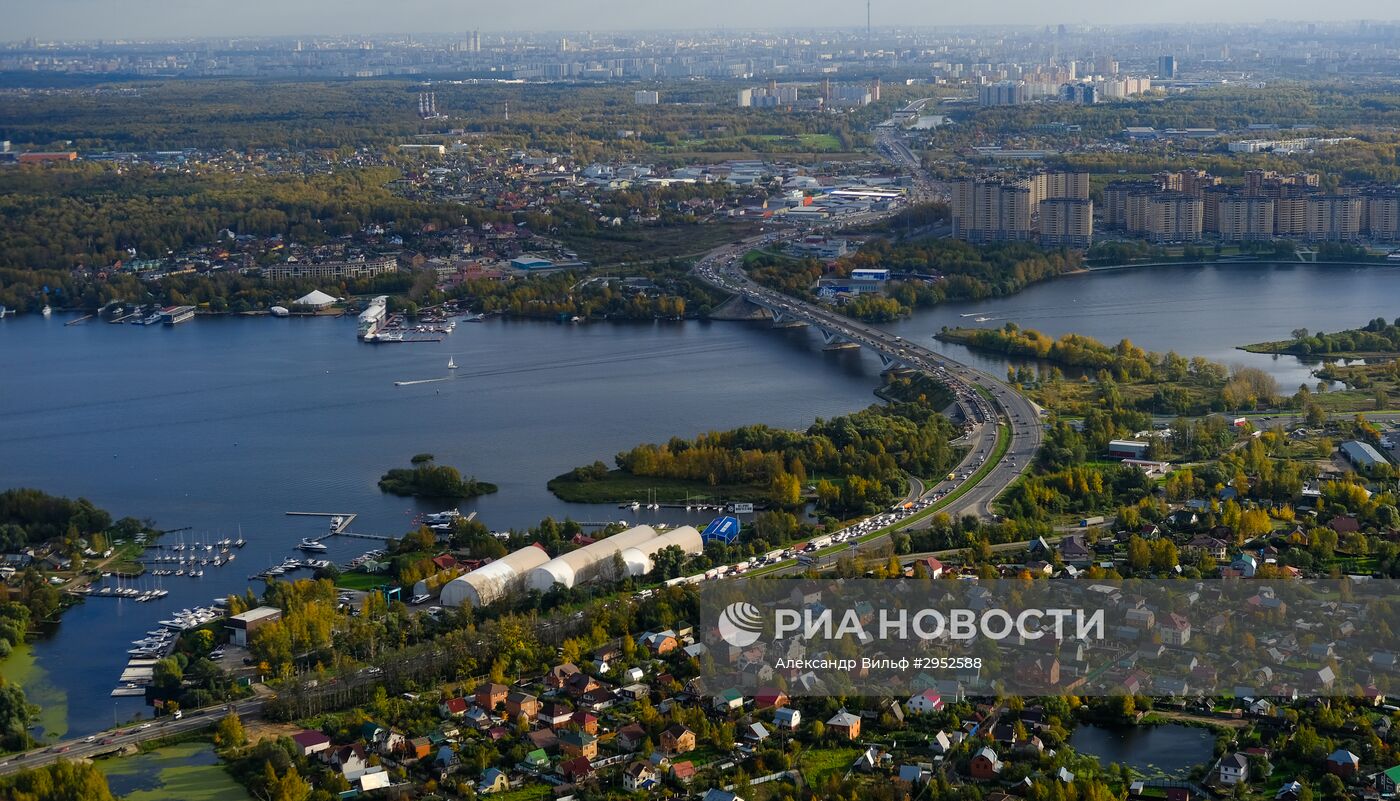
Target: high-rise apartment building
[[1066, 222], [1173, 217]]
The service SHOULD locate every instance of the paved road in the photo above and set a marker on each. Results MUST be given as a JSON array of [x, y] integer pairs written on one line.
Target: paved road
[[984, 399], [129, 735]]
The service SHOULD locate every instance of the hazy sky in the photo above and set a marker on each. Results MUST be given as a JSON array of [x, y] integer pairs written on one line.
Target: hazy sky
[[110, 19]]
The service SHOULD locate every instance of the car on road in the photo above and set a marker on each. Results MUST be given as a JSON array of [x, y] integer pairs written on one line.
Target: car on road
[[144, 726], [90, 738]]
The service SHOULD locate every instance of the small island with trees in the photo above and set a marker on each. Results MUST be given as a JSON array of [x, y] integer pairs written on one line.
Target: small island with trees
[[426, 479], [1376, 338]]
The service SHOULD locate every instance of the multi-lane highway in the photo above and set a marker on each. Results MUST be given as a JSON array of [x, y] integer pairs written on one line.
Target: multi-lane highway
[[130, 735], [985, 401]]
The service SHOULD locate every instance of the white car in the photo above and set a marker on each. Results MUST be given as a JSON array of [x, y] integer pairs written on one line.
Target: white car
[[420, 599]]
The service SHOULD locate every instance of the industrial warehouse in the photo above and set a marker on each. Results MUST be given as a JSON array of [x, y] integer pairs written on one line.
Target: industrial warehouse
[[531, 568]]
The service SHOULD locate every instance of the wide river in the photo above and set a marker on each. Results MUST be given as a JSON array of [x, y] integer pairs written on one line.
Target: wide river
[[225, 425]]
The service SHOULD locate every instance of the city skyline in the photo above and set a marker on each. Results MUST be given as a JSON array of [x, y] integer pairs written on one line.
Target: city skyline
[[125, 19]]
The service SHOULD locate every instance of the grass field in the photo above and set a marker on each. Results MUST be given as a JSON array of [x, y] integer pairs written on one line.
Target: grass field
[[362, 581], [817, 764]]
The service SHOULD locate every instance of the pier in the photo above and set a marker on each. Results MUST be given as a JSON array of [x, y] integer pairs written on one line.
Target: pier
[[345, 519]]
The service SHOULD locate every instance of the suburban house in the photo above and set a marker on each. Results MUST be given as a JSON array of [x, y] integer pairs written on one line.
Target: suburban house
[[1234, 769], [924, 702], [630, 737], [559, 675], [787, 718], [453, 707], [311, 742], [1342, 763], [491, 695], [554, 714], [985, 765], [844, 724], [639, 776], [493, 781], [677, 739], [521, 703], [579, 744], [1175, 629]]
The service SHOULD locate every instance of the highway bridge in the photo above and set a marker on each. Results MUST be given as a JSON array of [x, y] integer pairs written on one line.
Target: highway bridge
[[984, 400]]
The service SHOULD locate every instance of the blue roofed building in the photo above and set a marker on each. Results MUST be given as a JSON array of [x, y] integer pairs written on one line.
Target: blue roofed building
[[725, 529]]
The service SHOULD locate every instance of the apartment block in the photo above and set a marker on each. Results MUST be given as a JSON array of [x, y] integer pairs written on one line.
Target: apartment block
[[1334, 218], [1240, 218], [1066, 222], [1174, 217]]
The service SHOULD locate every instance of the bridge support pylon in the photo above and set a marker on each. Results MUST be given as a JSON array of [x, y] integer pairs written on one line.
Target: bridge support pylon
[[889, 364], [785, 320], [835, 340]]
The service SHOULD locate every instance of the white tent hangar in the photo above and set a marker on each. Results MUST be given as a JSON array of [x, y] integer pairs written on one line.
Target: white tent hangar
[[639, 558], [316, 299], [492, 580], [588, 562]]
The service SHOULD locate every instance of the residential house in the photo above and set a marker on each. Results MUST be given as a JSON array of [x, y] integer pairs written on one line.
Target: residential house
[[351, 761], [756, 733], [985, 765], [1234, 769], [521, 703], [684, 772], [311, 742], [1073, 550], [575, 770], [729, 700], [559, 675], [490, 695], [544, 739], [660, 643], [536, 760], [1289, 791], [924, 702], [677, 739], [787, 718], [420, 747], [554, 714], [931, 567], [770, 697], [1388, 782], [844, 724], [630, 737], [1342, 763], [1175, 629], [639, 776], [453, 707], [579, 744], [586, 721], [716, 794], [492, 781], [914, 774]]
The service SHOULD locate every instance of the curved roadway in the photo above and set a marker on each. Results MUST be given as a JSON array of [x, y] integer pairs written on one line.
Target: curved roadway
[[985, 400]]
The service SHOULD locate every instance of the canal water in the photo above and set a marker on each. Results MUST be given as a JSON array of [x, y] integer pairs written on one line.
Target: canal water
[[224, 425], [1167, 751], [184, 772]]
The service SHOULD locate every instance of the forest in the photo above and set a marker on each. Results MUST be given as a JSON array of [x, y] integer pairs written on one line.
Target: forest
[[854, 463], [94, 214], [937, 270]]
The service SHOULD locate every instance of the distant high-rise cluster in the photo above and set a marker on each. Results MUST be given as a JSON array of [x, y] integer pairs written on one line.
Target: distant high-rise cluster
[[1053, 207], [643, 97], [427, 105], [826, 96], [1190, 205]]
